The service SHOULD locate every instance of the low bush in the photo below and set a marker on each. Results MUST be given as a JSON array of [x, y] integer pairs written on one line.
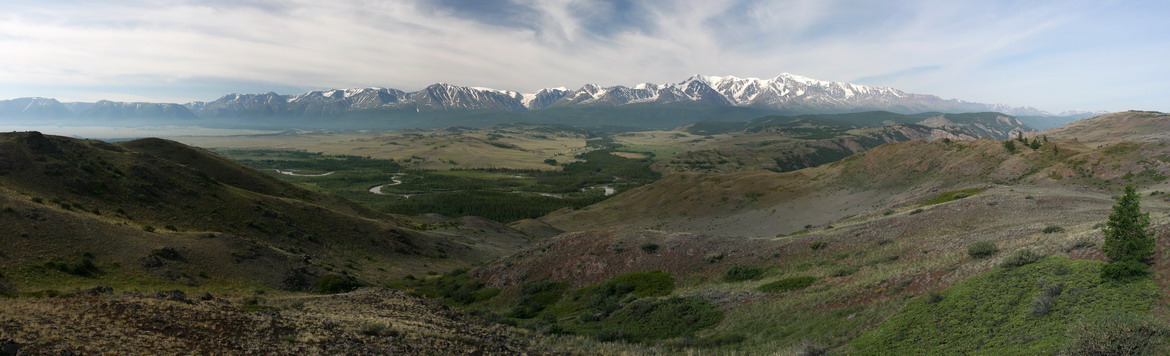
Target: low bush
[[1044, 301], [379, 329], [844, 271], [82, 267], [1117, 333], [1081, 244], [647, 319], [788, 284], [535, 297], [1053, 229], [953, 195], [649, 247], [713, 257], [6, 287], [1021, 257], [646, 284], [743, 273], [1124, 271], [982, 249], [335, 283], [818, 245], [718, 340]]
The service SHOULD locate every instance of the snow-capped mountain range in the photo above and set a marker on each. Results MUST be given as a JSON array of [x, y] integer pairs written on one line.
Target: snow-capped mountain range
[[786, 93]]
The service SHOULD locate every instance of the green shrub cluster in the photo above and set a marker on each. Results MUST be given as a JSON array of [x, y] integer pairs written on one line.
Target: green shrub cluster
[[1012, 311], [788, 284], [645, 284], [1021, 257], [1117, 333], [652, 319], [336, 283], [455, 287], [535, 297], [83, 267], [628, 307], [953, 195], [982, 249], [743, 273]]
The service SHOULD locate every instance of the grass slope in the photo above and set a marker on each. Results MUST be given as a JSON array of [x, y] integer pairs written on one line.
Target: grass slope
[[999, 313]]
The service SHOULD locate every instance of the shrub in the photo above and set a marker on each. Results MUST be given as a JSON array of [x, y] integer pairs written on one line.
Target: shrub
[[148, 228], [719, 340], [915, 211], [646, 284], [982, 249], [818, 245], [83, 267], [1081, 244], [648, 319], [379, 329], [788, 284], [888, 212], [1021, 257], [713, 257], [1044, 301], [743, 273], [535, 297], [1053, 229], [6, 287], [1124, 271], [844, 271], [333, 283], [1116, 333], [933, 297], [649, 247]]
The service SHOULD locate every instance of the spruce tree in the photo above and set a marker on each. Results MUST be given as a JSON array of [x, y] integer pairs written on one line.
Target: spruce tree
[[1128, 241], [1127, 233]]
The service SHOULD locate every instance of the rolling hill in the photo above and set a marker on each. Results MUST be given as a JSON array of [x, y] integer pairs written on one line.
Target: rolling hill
[[157, 213]]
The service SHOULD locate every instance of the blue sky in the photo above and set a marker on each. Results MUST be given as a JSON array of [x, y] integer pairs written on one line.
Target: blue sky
[[1054, 55]]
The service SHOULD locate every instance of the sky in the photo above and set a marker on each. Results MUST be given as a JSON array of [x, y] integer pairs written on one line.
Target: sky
[[1053, 55]]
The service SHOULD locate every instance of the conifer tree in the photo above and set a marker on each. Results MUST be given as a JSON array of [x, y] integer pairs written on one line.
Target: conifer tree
[[1128, 241], [1127, 233]]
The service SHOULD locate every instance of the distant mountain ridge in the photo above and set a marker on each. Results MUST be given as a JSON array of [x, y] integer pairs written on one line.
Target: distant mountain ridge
[[784, 94]]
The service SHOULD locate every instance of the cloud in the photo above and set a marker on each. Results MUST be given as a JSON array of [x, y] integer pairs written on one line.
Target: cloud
[[1020, 53]]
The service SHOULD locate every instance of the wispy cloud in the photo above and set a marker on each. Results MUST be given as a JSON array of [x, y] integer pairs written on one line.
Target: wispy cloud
[[1054, 55]]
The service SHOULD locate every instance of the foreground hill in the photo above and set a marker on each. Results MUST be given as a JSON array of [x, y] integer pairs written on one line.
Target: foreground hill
[[156, 213]]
